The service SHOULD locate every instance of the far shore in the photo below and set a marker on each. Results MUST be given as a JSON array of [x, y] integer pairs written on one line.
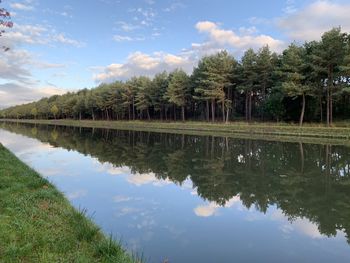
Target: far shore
[[309, 133]]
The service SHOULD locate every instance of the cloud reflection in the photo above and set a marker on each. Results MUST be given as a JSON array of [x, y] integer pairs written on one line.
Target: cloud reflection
[[212, 208]]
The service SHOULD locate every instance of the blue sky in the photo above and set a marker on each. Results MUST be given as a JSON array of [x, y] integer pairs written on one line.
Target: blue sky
[[58, 46]]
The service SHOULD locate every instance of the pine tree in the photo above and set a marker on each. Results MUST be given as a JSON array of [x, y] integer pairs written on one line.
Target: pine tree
[[248, 80], [178, 90], [330, 56], [295, 84], [143, 98]]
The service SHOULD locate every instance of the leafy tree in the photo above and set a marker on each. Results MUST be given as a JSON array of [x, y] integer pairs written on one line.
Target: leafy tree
[[294, 85], [54, 110], [331, 56], [143, 98], [5, 22], [128, 96], [159, 87], [249, 79], [265, 64], [34, 112], [178, 90]]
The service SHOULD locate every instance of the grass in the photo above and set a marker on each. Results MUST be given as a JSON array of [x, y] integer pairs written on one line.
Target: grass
[[37, 224]]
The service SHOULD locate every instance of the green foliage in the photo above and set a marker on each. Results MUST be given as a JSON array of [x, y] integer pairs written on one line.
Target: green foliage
[[54, 110], [178, 89]]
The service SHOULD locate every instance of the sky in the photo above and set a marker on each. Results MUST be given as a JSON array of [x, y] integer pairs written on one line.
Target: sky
[[61, 46]]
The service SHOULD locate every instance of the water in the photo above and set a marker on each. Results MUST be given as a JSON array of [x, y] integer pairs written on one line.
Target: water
[[199, 198]]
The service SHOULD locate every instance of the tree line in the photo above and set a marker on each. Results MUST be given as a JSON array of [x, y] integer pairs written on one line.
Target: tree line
[[305, 82]]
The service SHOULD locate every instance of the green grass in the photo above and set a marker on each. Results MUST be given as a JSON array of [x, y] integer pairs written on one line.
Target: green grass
[[37, 224]]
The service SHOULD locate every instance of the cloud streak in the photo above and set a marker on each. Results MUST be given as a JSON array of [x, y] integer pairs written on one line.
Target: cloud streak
[[12, 93], [311, 21]]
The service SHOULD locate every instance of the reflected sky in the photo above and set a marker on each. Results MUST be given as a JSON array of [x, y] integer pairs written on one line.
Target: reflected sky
[[168, 219]]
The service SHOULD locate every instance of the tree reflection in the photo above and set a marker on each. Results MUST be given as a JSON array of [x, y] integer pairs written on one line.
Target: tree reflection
[[303, 180]]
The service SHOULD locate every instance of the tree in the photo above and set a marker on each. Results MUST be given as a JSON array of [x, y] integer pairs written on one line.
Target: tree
[[143, 98], [213, 77], [34, 112], [178, 90], [79, 106], [54, 110], [219, 76], [159, 87], [249, 79], [128, 96], [5, 22], [294, 85], [330, 56], [265, 66]]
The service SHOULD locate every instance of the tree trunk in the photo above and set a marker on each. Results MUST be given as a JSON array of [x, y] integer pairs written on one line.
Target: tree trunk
[[93, 115], [174, 109], [183, 113], [250, 106], [148, 116], [302, 112], [208, 116], [246, 106], [223, 110], [264, 99], [213, 110], [129, 111], [133, 108], [328, 106], [321, 110], [227, 114], [80, 115], [331, 106]]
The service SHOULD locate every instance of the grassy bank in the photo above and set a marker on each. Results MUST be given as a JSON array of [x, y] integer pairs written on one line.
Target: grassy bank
[[37, 224], [339, 133]]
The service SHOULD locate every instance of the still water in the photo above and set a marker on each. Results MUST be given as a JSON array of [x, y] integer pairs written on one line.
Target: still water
[[200, 199]]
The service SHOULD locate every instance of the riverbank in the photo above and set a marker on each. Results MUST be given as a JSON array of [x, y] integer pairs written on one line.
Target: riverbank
[[37, 223], [338, 134]]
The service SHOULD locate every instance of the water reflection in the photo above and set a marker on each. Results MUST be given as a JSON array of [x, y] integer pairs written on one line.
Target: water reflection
[[299, 188]]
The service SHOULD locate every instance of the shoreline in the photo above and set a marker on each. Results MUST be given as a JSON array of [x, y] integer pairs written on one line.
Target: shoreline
[[38, 224], [311, 133]]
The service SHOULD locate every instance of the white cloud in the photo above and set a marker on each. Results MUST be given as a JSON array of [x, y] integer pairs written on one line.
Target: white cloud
[[22, 7], [211, 208], [121, 38], [127, 27], [290, 7], [139, 63], [174, 6], [121, 199], [13, 94], [313, 20], [222, 38], [142, 179], [61, 38], [22, 34], [301, 225], [17, 82], [76, 194]]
